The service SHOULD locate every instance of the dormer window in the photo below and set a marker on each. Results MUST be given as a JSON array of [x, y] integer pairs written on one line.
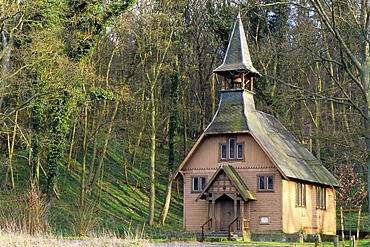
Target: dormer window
[[231, 150]]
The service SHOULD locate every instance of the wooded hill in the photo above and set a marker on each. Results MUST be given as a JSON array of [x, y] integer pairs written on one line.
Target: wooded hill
[[101, 100]]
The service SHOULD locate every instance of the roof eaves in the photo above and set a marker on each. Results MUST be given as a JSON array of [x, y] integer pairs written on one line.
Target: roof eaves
[[227, 132]]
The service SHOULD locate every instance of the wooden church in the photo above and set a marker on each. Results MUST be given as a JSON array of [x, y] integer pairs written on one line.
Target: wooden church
[[247, 175]]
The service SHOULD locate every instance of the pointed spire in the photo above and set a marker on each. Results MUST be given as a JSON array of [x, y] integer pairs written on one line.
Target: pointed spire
[[237, 61]]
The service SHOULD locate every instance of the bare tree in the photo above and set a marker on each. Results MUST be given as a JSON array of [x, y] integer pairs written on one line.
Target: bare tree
[[354, 53]]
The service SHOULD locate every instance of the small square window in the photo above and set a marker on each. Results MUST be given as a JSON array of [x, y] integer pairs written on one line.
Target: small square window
[[198, 183], [266, 183]]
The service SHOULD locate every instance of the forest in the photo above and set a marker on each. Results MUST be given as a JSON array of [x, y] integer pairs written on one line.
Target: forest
[[100, 100]]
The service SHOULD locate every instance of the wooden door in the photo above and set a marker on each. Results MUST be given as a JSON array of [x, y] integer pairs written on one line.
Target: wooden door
[[227, 212]]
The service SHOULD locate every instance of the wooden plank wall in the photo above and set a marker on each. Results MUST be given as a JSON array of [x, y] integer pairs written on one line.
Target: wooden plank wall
[[308, 219]]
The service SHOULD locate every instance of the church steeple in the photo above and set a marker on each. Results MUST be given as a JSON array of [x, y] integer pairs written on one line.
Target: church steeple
[[237, 69]]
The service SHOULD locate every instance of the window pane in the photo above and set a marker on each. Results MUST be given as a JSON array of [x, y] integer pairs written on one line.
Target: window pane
[[297, 194], [270, 182], [317, 197], [301, 194], [203, 183], [223, 151], [195, 184], [231, 148], [321, 197], [239, 151], [261, 182]]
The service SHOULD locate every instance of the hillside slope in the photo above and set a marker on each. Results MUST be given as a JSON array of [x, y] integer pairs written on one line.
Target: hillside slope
[[117, 205]]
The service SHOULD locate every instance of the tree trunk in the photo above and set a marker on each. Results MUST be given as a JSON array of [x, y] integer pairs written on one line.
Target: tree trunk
[[7, 44], [166, 205], [152, 158], [11, 153], [106, 141], [142, 129], [365, 74], [71, 147], [172, 134], [84, 147]]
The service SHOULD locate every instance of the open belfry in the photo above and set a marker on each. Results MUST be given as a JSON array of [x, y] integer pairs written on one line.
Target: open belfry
[[247, 177]]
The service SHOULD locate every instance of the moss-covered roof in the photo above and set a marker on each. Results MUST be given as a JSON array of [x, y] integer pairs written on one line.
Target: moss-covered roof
[[292, 159], [235, 179], [229, 116]]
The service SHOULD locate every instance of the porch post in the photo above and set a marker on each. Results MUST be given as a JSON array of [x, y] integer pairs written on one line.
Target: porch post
[[235, 213], [242, 216], [208, 208], [246, 231], [213, 214]]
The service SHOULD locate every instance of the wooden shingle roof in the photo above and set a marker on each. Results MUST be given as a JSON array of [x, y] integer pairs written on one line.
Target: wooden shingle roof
[[237, 57]]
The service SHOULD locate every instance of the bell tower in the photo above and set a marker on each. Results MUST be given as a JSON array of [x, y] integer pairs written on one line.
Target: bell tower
[[236, 70]]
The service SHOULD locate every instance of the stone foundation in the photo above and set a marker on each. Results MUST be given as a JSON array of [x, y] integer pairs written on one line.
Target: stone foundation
[[282, 237]]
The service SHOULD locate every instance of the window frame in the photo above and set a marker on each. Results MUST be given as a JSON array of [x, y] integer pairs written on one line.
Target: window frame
[[231, 150], [301, 193], [266, 183], [241, 144], [223, 145], [321, 197], [199, 183]]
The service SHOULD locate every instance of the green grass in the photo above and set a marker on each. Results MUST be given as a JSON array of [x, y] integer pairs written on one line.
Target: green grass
[[116, 206]]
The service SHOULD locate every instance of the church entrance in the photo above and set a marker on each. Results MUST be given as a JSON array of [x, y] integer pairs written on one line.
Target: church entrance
[[227, 213]]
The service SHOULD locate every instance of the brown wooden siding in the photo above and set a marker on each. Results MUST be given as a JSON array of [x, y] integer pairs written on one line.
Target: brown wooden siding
[[195, 213], [205, 161], [207, 154]]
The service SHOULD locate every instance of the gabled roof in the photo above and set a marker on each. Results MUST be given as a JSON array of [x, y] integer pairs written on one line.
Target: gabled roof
[[236, 180], [291, 158], [237, 58]]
